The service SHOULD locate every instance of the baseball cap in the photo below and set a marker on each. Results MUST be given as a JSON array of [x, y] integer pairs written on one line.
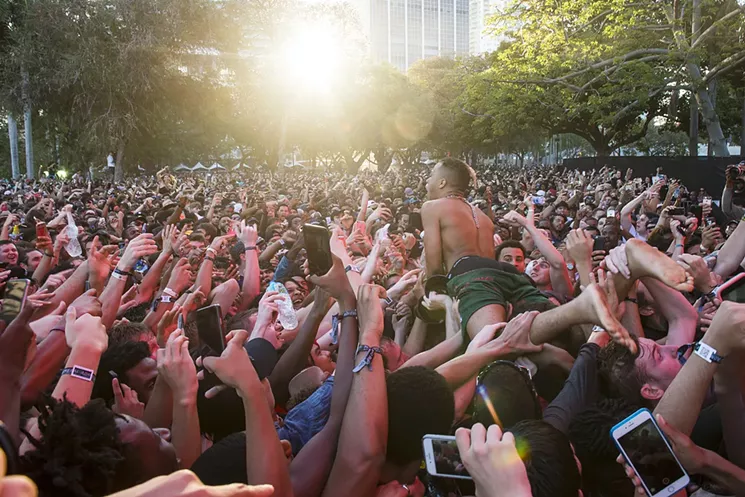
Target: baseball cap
[[408, 192]]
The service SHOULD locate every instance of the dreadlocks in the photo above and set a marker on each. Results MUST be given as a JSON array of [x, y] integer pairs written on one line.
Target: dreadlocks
[[78, 453]]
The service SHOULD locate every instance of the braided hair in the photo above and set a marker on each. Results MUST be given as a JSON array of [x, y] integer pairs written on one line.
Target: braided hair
[[78, 453]]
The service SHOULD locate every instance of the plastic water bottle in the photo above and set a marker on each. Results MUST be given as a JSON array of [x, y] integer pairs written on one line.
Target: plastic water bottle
[[73, 247], [287, 316]]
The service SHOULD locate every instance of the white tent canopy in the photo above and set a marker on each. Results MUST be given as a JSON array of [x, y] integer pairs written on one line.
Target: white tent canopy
[[199, 167], [182, 167], [216, 166]]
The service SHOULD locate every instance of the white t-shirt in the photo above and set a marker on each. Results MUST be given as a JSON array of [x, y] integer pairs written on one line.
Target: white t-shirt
[[110, 161], [636, 234]]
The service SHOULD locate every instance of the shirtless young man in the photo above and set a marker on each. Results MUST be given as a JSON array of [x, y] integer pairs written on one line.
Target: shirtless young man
[[458, 241]]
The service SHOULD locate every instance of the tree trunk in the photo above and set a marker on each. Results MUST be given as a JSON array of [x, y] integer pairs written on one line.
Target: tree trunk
[[13, 136], [693, 130], [713, 93], [742, 128], [119, 164]]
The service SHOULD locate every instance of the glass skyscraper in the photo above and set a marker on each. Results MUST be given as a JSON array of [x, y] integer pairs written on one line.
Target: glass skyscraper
[[404, 31]]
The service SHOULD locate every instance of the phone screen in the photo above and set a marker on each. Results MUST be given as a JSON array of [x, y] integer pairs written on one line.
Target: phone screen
[[318, 248], [447, 458], [209, 328], [652, 459], [15, 294], [599, 243]]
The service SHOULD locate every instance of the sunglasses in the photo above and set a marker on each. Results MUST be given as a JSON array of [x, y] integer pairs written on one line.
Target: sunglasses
[[682, 351]]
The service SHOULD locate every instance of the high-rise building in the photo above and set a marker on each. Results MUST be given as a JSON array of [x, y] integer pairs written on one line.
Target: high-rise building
[[403, 31], [481, 40]]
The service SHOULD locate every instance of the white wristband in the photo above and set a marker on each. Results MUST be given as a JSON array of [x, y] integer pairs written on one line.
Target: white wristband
[[170, 293], [119, 276]]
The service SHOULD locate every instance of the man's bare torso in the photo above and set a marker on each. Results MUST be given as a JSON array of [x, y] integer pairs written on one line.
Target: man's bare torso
[[459, 235]]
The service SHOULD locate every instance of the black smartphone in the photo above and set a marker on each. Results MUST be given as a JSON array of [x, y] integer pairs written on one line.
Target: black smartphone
[[598, 244], [318, 249], [209, 328], [15, 295], [415, 221], [678, 211]]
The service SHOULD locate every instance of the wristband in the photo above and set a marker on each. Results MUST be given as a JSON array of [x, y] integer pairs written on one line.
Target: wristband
[[336, 320], [702, 248], [210, 249], [211, 259], [119, 276], [47, 254], [282, 242], [679, 245], [367, 360], [249, 248], [633, 301], [352, 268], [81, 373], [121, 272], [707, 353], [166, 299], [170, 293]]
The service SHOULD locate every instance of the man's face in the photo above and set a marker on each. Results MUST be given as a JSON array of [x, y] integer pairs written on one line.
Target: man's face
[[9, 254], [33, 259], [557, 223], [433, 182], [514, 257], [141, 378], [563, 211], [659, 362], [641, 223], [539, 272], [322, 359], [196, 244], [297, 293], [283, 211]]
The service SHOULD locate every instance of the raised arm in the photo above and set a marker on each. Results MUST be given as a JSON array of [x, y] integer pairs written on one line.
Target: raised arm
[[252, 275], [364, 431], [265, 459], [681, 316], [732, 253], [560, 279], [311, 467]]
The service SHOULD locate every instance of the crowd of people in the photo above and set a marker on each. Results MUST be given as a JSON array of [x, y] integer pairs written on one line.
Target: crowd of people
[[524, 310]]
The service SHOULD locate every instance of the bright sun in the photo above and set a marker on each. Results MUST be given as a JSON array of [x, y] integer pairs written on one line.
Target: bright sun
[[312, 58]]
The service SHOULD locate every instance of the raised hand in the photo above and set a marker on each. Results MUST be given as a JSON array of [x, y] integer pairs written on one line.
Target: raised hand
[[140, 247], [126, 401], [369, 310], [335, 282], [247, 234], [170, 237], [177, 368], [233, 367], [85, 331], [493, 462], [181, 276], [579, 245]]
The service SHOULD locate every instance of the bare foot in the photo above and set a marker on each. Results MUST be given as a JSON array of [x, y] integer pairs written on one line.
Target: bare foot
[[600, 313], [645, 260]]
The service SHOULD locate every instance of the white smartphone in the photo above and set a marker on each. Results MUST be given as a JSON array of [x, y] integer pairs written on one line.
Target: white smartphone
[[649, 454], [611, 213], [442, 457]]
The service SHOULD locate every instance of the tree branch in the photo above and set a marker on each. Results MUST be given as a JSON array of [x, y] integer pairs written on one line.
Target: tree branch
[[729, 63], [710, 30]]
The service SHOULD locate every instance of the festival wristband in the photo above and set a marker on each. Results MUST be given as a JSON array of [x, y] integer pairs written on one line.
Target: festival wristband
[[80, 372], [707, 353]]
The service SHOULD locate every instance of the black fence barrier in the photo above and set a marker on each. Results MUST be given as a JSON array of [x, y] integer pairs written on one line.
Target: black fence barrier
[[694, 172]]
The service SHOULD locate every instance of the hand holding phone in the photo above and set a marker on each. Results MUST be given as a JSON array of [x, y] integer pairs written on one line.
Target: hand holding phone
[[16, 291], [318, 248], [210, 328], [649, 455]]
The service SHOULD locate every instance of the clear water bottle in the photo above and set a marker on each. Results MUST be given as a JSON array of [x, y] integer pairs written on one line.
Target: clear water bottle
[[73, 247], [287, 316]]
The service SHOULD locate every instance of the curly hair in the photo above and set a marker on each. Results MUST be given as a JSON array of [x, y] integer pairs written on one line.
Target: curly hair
[[137, 313], [79, 451], [588, 432], [620, 373], [118, 358], [420, 401]]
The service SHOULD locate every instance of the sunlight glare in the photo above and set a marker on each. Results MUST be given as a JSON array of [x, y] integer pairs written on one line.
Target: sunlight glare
[[312, 57]]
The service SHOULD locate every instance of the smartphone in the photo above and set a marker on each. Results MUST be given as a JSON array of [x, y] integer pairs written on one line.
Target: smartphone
[[706, 201], [733, 290], [442, 457], [318, 249], [415, 221], [678, 211], [209, 328], [649, 454], [599, 243], [41, 229], [710, 221], [15, 295], [180, 321], [611, 213]]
